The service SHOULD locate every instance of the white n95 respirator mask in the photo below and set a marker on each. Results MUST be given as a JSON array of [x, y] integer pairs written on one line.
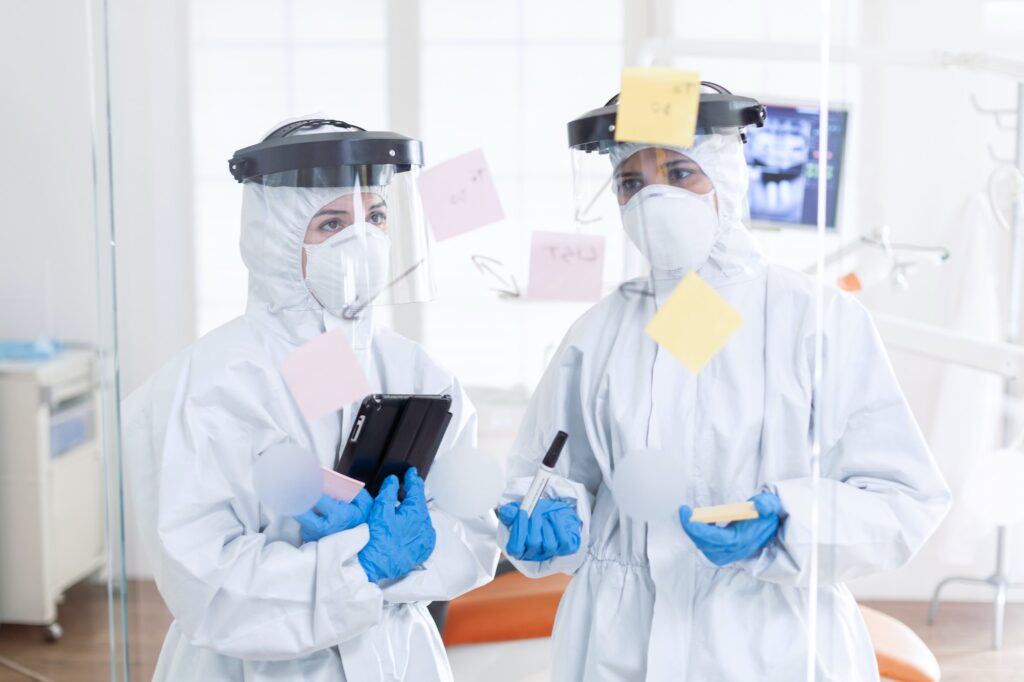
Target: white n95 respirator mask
[[350, 268], [673, 228]]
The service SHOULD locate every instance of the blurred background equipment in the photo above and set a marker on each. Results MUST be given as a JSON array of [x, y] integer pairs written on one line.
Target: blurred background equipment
[[51, 484]]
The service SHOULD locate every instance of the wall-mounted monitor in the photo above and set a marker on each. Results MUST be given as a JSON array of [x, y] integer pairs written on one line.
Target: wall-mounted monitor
[[783, 161]]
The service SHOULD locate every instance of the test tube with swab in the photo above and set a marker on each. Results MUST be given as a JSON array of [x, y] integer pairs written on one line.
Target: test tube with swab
[[544, 473]]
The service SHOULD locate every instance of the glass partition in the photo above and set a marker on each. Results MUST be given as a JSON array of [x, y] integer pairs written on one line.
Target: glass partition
[[62, 580], [785, 355]]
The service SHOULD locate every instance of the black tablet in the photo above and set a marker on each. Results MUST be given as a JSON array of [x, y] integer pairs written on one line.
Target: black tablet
[[392, 433]]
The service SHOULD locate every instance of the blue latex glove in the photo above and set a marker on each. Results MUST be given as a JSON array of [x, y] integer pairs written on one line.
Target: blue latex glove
[[401, 535], [553, 529], [739, 539], [329, 516]]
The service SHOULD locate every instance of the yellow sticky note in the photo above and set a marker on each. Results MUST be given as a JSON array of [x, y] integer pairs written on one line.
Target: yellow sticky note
[[658, 106], [694, 323]]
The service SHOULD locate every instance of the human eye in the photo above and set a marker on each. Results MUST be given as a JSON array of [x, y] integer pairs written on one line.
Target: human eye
[[679, 174], [329, 226], [630, 184]]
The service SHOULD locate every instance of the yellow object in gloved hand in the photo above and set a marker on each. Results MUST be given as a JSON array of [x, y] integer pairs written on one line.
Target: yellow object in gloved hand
[[738, 540]]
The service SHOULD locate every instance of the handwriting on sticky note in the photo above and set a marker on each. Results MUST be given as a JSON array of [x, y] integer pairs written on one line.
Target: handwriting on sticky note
[[565, 266], [658, 106], [324, 375], [339, 486], [694, 323], [459, 195]]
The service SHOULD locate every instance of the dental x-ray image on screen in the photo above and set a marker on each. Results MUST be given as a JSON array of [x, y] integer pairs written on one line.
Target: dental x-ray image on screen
[[783, 161]]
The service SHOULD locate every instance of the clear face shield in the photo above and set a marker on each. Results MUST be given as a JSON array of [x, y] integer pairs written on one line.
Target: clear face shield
[[663, 197], [660, 196], [368, 244], [357, 230]]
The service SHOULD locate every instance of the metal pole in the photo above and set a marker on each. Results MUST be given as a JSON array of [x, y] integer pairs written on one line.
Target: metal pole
[[404, 116], [1013, 336], [1002, 579], [1017, 244]]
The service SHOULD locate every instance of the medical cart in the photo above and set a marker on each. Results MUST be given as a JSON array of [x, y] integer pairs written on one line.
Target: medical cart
[[51, 485]]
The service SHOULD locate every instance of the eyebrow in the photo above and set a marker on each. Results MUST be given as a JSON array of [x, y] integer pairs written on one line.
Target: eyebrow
[[329, 211], [686, 161], [339, 211]]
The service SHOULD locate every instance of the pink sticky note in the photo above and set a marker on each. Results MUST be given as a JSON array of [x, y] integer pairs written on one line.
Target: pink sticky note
[[324, 375], [565, 267], [340, 486], [459, 195]]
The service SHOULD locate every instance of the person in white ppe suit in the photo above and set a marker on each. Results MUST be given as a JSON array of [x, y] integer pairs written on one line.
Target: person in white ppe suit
[[677, 600], [331, 226]]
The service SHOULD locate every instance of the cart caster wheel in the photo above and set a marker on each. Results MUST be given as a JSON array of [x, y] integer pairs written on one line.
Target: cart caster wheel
[[54, 632]]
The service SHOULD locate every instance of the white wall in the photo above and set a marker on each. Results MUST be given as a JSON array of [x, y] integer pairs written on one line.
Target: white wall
[[48, 266], [47, 271], [47, 261], [152, 183]]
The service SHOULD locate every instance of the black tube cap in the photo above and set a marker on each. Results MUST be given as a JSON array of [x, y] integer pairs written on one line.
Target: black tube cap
[[551, 458]]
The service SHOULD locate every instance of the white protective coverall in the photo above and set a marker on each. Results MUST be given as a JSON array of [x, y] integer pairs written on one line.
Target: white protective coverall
[[250, 602], [644, 603]]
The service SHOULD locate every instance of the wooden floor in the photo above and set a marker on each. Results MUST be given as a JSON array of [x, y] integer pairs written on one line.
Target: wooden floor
[[83, 654], [960, 639], [962, 636]]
